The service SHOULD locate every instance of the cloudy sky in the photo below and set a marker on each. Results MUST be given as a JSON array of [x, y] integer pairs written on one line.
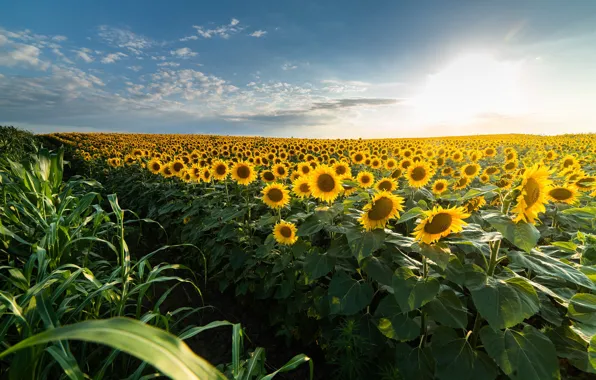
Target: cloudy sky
[[306, 68]]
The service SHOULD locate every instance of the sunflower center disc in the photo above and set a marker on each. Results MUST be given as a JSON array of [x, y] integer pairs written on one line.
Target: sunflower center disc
[[305, 169], [385, 185], [268, 176], [440, 223], [156, 166], [560, 194], [510, 166], [221, 170], [178, 166], [470, 170], [358, 157], [340, 170], [243, 172], [418, 174], [440, 186], [491, 170], [532, 192], [326, 183], [281, 171], [304, 188], [275, 195], [380, 209], [286, 232]]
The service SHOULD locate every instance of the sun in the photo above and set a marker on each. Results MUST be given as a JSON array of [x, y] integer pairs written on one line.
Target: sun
[[471, 86]]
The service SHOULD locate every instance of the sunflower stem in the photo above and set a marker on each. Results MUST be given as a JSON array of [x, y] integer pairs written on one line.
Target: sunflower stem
[[422, 313], [475, 332]]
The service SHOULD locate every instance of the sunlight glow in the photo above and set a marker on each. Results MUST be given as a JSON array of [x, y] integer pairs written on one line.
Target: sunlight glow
[[470, 87]]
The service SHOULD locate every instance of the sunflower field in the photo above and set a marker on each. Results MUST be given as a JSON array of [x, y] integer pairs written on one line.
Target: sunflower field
[[450, 258]]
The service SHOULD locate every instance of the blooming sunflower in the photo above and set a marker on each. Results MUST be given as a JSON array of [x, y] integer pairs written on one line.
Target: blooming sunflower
[[276, 195], [484, 178], [474, 204], [154, 166], [470, 170], [440, 186], [349, 188], [563, 194], [418, 174], [534, 189], [383, 207], [365, 179], [176, 167], [166, 171], [324, 183], [461, 183], [304, 168], [267, 176], [243, 173], [586, 183], [219, 170], [358, 157], [300, 187], [285, 233], [386, 184], [280, 171], [440, 222], [342, 170]]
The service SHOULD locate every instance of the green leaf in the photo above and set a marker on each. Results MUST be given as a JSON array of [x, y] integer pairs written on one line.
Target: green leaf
[[582, 308], [317, 265], [505, 303], [394, 324], [417, 363], [476, 192], [456, 359], [439, 253], [293, 364], [161, 349], [571, 347], [550, 266], [448, 310], [377, 270], [523, 355], [412, 291], [364, 244], [348, 296], [523, 235], [410, 214], [310, 226]]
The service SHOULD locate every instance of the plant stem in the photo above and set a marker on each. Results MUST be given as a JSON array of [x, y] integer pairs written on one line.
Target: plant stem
[[477, 323], [422, 314], [494, 253]]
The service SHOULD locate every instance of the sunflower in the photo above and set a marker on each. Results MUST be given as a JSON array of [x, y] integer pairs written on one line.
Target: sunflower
[[386, 184], [300, 187], [440, 222], [586, 183], [219, 170], [534, 189], [304, 168], [568, 162], [365, 179], [383, 207], [166, 171], [470, 170], [342, 170], [563, 194], [205, 175], [419, 174], [324, 183], [440, 186], [176, 167], [484, 178], [267, 176], [358, 157], [396, 173], [391, 164], [474, 204], [348, 188], [461, 183], [276, 195], [491, 170], [154, 166], [285, 233], [280, 171], [243, 173]]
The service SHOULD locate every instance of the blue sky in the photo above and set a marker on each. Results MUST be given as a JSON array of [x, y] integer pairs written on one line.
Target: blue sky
[[299, 68]]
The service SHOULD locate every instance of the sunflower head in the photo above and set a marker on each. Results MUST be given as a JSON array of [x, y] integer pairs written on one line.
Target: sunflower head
[[365, 179], [418, 174], [243, 173], [470, 170], [563, 194], [383, 207], [267, 176], [342, 170], [154, 166], [440, 186], [534, 188], [276, 195], [300, 187], [386, 184], [280, 171], [177, 167], [474, 204], [285, 233], [324, 184], [219, 170], [440, 222]]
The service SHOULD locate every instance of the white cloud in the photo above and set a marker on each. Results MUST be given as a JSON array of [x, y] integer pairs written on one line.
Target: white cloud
[[258, 33], [3, 40], [288, 66], [22, 54], [135, 68], [113, 57], [183, 53], [223, 31], [189, 38], [59, 38], [158, 58], [85, 55], [125, 39], [170, 64]]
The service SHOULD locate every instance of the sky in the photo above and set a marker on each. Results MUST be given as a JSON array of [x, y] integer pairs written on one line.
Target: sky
[[299, 68]]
